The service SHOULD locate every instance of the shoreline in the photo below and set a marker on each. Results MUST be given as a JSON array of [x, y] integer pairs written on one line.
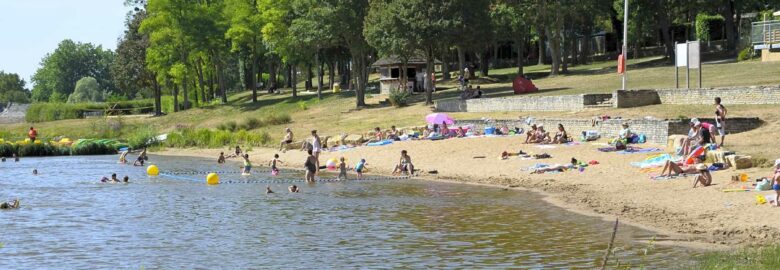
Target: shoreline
[[702, 218]]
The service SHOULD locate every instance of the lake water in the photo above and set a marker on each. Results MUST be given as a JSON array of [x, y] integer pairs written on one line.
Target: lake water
[[70, 220]]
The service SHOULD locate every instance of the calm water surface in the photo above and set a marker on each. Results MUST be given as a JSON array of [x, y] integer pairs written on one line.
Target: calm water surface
[[70, 220]]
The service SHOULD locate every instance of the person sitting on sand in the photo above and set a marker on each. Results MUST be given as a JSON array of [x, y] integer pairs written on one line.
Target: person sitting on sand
[[460, 132], [405, 165], [625, 134], [294, 189], [311, 166], [274, 162], [247, 164], [685, 145], [10, 204], [530, 136], [139, 161], [675, 169], [288, 139], [377, 136], [704, 177], [504, 130], [542, 136], [445, 131], [394, 134], [561, 136], [221, 158]]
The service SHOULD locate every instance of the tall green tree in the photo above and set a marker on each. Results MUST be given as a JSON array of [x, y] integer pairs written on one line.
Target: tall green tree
[[245, 34], [129, 70], [12, 88], [511, 22], [56, 79]]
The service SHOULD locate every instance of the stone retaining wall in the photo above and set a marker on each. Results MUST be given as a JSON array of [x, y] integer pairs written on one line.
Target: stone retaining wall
[[655, 130], [705, 96], [522, 103]]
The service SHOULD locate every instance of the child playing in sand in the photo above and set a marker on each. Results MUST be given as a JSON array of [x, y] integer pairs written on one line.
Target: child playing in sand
[[273, 164], [247, 164], [704, 177], [221, 158], [776, 182], [360, 167]]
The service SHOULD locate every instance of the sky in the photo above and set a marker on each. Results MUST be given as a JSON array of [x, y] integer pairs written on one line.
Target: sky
[[29, 29]]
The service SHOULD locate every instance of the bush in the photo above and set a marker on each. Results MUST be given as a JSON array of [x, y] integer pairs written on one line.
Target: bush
[[44, 111], [228, 126], [302, 105], [93, 148], [278, 119], [142, 137], [39, 150], [399, 98], [221, 138], [215, 139], [7, 149], [745, 54], [704, 24], [175, 139], [252, 123]]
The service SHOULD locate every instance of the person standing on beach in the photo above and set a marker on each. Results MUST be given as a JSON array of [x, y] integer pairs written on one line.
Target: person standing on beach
[[311, 166], [720, 119], [288, 139], [33, 134], [316, 147]]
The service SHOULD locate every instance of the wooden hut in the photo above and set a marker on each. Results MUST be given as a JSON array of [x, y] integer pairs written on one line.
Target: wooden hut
[[390, 69]]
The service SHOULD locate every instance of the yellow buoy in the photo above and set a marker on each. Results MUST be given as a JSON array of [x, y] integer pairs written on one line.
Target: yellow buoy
[[212, 179], [152, 170]]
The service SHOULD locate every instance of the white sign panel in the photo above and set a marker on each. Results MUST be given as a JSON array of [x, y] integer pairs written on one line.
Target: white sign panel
[[680, 56], [693, 54]]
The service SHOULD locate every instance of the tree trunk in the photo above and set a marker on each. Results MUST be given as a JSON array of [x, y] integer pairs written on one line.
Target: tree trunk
[[185, 93], [272, 68], [289, 79], [358, 67], [555, 51], [520, 57], [309, 75], [585, 53], [445, 66], [199, 70], [484, 62], [175, 98], [220, 79], [664, 23], [540, 45], [294, 79], [253, 78], [242, 71], [331, 74], [731, 32], [495, 54], [429, 76], [461, 60], [157, 97], [318, 63]]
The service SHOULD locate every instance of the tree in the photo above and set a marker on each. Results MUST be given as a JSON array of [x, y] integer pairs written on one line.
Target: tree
[[12, 88], [87, 90], [510, 23], [129, 70], [246, 37], [405, 28], [56, 79], [313, 31]]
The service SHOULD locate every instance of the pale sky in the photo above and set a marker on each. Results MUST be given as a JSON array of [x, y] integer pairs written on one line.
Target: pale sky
[[29, 29]]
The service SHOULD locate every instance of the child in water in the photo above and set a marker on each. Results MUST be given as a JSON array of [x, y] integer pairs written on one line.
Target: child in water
[[342, 169], [247, 164], [273, 164], [360, 167], [123, 156], [293, 189], [16, 158], [10, 205], [35, 171], [221, 158], [268, 190], [139, 161], [126, 179]]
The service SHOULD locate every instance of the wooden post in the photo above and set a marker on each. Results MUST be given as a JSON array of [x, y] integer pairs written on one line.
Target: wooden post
[[609, 247]]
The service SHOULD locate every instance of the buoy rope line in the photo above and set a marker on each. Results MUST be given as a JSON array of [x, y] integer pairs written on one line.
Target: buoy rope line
[[221, 172], [280, 181]]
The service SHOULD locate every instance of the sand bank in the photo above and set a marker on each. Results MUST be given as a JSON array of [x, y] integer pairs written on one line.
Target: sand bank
[[611, 189]]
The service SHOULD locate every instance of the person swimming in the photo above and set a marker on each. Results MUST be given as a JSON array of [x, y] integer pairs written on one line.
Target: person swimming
[[2, 159], [139, 161], [35, 171], [123, 156], [126, 179], [294, 189], [268, 190], [10, 204]]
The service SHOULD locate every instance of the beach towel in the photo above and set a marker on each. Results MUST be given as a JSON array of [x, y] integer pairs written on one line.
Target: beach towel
[[380, 143], [655, 161], [637, 150], [545, 146], [572, 143]]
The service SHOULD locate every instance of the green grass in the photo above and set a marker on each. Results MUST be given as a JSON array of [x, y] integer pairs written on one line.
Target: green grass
[[748, 258]]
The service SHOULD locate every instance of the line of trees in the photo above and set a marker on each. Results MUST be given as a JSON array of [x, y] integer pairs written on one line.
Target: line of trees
[[198, 50]]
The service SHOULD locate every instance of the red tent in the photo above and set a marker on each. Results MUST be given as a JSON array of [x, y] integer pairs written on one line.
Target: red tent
[[521, 85]]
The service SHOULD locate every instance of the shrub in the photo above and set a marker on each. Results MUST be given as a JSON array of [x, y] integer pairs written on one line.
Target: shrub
[[7, 149], [87, 90], [302, 105], [399, 98], [745, 54], [221, 138], [37, 150], [142, 137], [251, 123], [228, 126], [93, 148], [278, 119], [175, 139]]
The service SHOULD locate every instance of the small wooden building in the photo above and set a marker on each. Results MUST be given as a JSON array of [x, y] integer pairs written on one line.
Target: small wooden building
[[389, 69]]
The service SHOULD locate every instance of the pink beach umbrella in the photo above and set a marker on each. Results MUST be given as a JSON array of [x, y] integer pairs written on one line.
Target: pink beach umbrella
[[439, 118]]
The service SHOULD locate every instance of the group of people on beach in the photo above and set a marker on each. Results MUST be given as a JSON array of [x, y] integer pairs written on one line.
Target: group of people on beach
[[537, 134]]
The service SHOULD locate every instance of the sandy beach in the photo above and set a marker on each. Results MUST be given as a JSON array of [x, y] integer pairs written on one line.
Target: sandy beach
[[703, 216]]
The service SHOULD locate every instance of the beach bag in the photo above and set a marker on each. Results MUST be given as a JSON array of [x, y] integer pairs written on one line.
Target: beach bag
[[641, 138], [764, 184], [590, 135]]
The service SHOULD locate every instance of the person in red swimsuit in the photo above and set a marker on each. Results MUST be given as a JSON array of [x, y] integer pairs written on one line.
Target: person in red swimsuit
[[33, 134]]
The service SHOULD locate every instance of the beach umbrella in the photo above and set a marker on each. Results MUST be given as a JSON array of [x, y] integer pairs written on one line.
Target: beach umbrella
[[439, 118]]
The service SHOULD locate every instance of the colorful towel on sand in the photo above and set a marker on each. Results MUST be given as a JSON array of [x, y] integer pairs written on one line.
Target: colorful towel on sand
[[546, 146], [341, 148], [655, 161], [637, 150], [380, 143]]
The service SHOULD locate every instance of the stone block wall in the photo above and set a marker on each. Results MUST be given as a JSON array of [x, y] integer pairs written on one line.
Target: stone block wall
[[522, 103], [635, 98]]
